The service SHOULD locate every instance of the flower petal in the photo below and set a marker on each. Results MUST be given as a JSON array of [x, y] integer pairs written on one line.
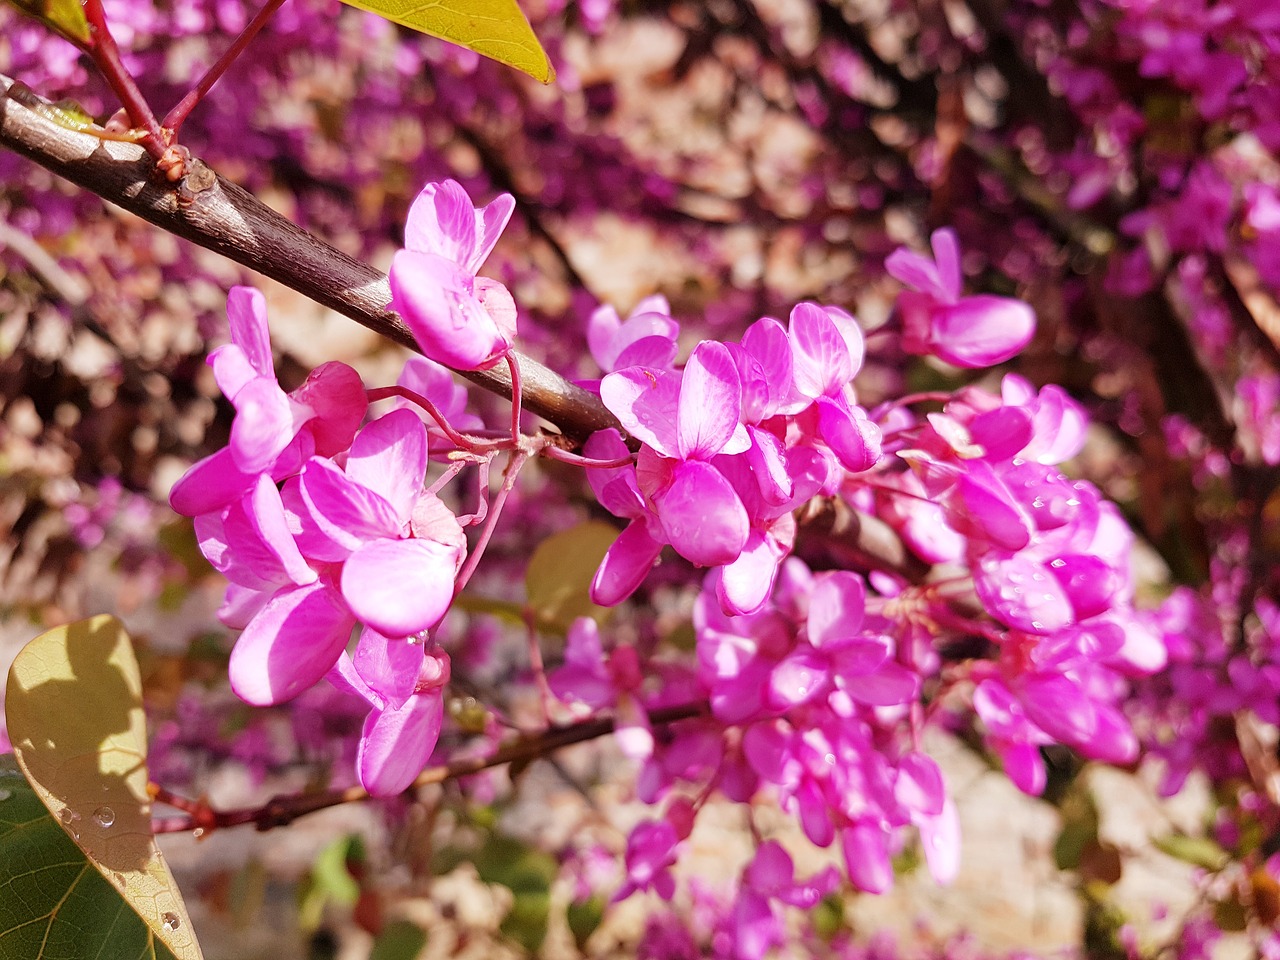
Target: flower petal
[[646, 402], [396, 744], [290, 644], [710, 405], [247, 314], [400, 587], [389, 457], [701, 515], [625, 565]]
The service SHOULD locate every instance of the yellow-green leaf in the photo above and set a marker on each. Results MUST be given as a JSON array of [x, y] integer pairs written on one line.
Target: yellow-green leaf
[[74, 711], [492, 28], [558, 579], [65, 16]]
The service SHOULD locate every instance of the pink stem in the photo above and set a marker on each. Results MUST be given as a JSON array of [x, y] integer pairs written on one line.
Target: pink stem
[[513, 363], [517, 461], [564, 456], [459, 440], [174, 118], [106, 56]]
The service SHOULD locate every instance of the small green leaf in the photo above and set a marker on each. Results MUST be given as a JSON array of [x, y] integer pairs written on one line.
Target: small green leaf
[[526, 922], [1197, 851], [492, 28], [55, 905], [399, 940], [64, 16], [558, 579], [73, 706], [584, 917], [330, 880]]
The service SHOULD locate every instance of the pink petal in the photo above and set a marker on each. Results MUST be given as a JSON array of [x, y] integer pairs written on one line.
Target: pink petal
[[491, 220], [767, 343], [399, 587], [982, 331], [919, 785], [442, 221], [710, 404], [388, 666], [768, 460], [919, 272], [396, 744], [290, 644], [946, 253], [701, 515], [866, 855], [625, 565], [232, 371], [853, 438], [335, 392], [836, 608], [266, 422], [890, 685], [1022, 593], [1002, 433], [210, 484], [389, 457], [247, 314], [437, 301], [801, 677], [745, 584], [646, 402], [940, 838], [344, 513], [821, 355]]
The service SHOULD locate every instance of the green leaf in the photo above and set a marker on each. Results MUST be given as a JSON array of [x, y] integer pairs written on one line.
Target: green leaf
[[399, 940], [492, 28], [558, 579], [55, 905], [526, 922], [584, 917], [330, 880], [1197, 851], [73, 706], [64, 16]]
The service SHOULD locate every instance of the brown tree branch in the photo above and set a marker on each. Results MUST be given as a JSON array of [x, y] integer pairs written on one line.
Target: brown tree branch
[[282, 810], [222, 217]]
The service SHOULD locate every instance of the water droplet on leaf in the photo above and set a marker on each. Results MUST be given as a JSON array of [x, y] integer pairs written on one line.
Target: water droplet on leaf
[[5, 794]]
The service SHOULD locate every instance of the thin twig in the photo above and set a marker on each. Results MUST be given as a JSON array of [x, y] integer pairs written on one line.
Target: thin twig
[[283, 810]]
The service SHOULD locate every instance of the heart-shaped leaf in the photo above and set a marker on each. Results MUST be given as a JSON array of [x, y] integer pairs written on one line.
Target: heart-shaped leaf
[[55, 905], [492, 28], [558, 579], [73, 706]]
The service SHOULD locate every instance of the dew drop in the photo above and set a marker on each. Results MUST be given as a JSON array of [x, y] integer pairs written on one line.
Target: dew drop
[[104, 816], [66, 816], [171, 921], [5, 794]]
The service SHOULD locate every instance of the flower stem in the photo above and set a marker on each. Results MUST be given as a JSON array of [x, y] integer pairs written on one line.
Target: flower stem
[[513, 363], [106, 57], [174, 118], [514, 464], [459, 440]]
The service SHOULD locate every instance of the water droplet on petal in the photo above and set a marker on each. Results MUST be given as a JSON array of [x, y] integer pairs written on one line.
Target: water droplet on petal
[[104, 816], [66, 816], [171, 921]]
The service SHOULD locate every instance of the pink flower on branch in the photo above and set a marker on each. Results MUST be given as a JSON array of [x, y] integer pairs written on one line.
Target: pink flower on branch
[[459, 319], [938, 320]]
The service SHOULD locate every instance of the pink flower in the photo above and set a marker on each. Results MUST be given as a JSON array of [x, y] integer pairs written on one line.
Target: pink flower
[[937, 320], [403, 683], [273, 432], [461, 320]]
